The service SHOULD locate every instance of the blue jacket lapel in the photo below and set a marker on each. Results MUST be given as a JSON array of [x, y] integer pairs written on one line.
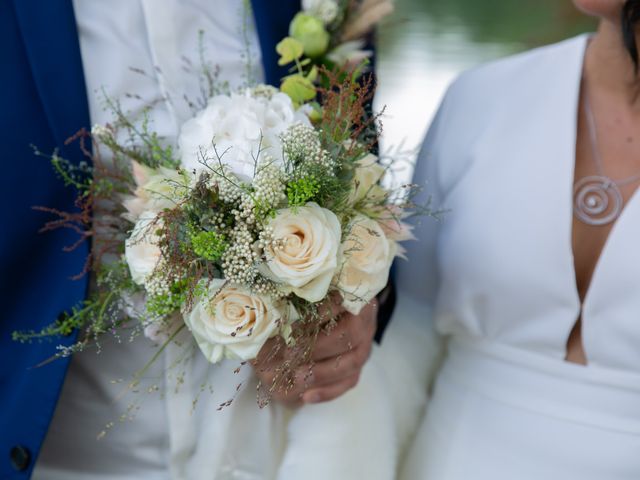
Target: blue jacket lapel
[[51, 40], [272, 24]]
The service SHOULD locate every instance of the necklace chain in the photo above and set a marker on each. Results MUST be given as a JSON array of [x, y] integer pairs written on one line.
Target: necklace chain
[[597, 199], [597, 159]]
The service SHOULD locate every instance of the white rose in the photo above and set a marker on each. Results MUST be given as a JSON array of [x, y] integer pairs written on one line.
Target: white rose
[[141, 248], [304, 255], [242, 126], [366, 177], [366, 257], [156, 190], [325, 10], [232, 322]]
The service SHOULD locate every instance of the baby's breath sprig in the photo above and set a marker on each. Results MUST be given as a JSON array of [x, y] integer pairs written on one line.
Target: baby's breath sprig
[[167, 300], [268, 190], [302, 149]]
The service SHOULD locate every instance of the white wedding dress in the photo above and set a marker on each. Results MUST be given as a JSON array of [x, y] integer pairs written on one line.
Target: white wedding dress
[[498, 273]]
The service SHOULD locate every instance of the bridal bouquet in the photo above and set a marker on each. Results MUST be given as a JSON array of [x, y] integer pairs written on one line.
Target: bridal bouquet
[[269, 204]]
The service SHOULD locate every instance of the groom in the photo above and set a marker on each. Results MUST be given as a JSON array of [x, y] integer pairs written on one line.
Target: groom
[[43, 100]]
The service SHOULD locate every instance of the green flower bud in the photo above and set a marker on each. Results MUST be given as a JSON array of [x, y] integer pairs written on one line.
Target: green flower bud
[[310, 31]]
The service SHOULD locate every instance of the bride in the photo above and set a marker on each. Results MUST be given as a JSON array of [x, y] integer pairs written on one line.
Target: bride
[[534, 272]]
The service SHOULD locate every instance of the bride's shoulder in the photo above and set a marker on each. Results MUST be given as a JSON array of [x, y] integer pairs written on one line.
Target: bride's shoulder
[[492, 97], [515, 74]]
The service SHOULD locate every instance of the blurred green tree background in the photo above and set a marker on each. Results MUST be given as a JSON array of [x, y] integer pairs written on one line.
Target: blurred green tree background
[[517, 22], [427, 43]]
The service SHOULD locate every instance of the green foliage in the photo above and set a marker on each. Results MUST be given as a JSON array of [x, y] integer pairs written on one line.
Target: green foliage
[[208, 245], [263, 210], [315, 115], [160, 155], [299, 88], [97, 314], [63, 326], [103, 187], [164, 304], [302, 190], [94, 313], [78, 176], [516, 25], [144, 145], [289, 50], [115, 276], [179, 294]]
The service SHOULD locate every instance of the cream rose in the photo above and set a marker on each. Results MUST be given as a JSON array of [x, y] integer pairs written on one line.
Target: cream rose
[[141, 249], [366, 176], [366, 257], [395, 229], [156, 189], [232, 322], [304, 255]]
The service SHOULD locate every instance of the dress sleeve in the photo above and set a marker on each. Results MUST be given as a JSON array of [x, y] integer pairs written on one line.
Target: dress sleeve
[[417, 277]]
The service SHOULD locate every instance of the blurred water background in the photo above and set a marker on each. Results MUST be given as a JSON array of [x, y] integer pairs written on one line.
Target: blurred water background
[[426, 43]]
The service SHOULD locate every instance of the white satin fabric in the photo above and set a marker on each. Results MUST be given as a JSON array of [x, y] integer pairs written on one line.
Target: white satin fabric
[[162, 434], [497, 271], [502, 413]]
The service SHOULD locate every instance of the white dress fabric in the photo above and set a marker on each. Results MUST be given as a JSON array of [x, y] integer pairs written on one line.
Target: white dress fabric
[[497, 272], [158, 433]]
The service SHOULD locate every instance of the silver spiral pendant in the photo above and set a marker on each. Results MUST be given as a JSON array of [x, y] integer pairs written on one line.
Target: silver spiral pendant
[[596, 200]]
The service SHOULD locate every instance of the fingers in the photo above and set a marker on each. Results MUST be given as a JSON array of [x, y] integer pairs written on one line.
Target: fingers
[[272, 351], [336, 369], [337, 360], [319, 382], [287, 391], [332, 392], [349, 333], [331, 308]]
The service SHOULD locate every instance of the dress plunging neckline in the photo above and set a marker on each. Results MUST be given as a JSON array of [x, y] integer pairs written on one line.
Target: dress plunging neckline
[[618, 223]]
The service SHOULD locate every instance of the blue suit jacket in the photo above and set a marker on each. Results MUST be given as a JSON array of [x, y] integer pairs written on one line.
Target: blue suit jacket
[[42, 103]]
